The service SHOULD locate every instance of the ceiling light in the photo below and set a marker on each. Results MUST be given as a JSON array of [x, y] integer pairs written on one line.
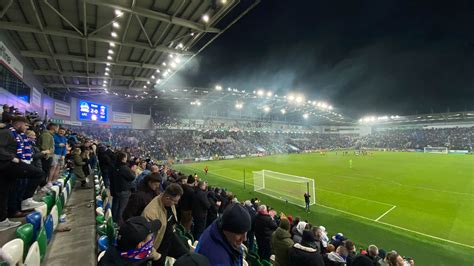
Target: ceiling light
[[192, 33], [107, 69], [165, 74], [173, 65], [218, 88], [144, 86], [205, 18], [104, 85], [118, 13], [223, 2], [108, 64], [106, 73], [180, 45], [105, 81], [113, 34], [148, 82], [269, 94], [164, 63], [305, 116], [260, 92], [291, 98], [112, 44], [299, 99], [109, 57], [177, 60], [283, 111], [111, 51], [266, 109], [158, 71], [116, 25], [171, 55], [152, 76]]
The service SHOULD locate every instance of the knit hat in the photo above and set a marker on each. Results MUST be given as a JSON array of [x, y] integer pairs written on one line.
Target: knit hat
[[235, 219], [285, 224], [308, 237], [192, 259], [191, 179], [134, 231]]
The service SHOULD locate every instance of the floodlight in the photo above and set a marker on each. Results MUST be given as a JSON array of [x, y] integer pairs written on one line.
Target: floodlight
[[266, 109], [104, 85], [165, 74], [299, 99], [324, 105], [112, 44], [116, 25], [152, 76], [179, 46], [148, 82], [173, 65], [107, 69], [218, 88], [158, 71], [118, 13], [105, 81], [111, 51], [283, 111], [177, 60], [107, 64], [269, 94], [113, 34], [109, 57], [199, 103], [164, 63], [305, 116], [330, 107], [144, 86], [106, 73], [171, 55], [260, 92], [291, 98], [239, 105], [223, 2], [205, 18]]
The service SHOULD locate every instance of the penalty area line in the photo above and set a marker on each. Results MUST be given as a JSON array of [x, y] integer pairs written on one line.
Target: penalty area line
[[385, 213]]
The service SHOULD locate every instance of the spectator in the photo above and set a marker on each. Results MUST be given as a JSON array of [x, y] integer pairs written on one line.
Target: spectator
[[6, 115], [123, 177], [298, 231], [134, 243], [253, 214], [46, 143], [78, 169], [222, 242], [394, 259], [336, 258], [163, 208], [147, 190], [153, 170], [11, 149], [317, 232], [337, 240], [59, 155], [351, 251], [282, 242], [214, 206], [264, 227], [106, 164], [201, 205], [303, 254], [186, 203], [192, 259]]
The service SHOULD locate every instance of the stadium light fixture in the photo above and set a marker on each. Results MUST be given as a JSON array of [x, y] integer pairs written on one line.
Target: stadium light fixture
[[165, 74], [106, 73], [223, 2], [177, 60], [118, 13], [158, 71], [107, 64], [111, 51], [305, 116], [205, 18], [152, 76], [260, 92], [239, 105], [144, 86], [112, 44], [148, 82], [164, 63], [180, 46], [291, 97], [218, 87], [109, 57], [283, 111], [266, 109], [113, 34], [171, 55], [105, 81], [269, 94], [173, 64], [107, 69], [116, 25], [299, 99]]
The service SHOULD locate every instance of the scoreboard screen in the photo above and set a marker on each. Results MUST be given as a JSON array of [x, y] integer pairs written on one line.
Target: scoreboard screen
[[92, 111]]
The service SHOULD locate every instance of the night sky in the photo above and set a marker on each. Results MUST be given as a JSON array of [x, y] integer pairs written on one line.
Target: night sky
[[364, 57]]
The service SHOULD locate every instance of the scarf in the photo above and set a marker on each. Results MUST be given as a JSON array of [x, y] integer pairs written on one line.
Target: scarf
[[140, 254], [21, 152], [27, 148]]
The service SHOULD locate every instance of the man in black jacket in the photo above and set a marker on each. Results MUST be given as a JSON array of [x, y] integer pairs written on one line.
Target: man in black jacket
[[201, 205], [264, 227], [122, 185], [304, 254], [11, 148], [185, 205], [146, 191], [106, 164]]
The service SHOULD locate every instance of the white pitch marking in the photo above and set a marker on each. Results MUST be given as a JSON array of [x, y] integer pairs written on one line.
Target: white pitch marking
[[385, 213]]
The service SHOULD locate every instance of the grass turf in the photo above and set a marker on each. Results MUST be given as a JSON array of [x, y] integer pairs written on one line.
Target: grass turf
[[433, 220]]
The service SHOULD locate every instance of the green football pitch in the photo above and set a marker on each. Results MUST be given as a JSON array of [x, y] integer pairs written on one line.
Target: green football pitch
[[421, 205]]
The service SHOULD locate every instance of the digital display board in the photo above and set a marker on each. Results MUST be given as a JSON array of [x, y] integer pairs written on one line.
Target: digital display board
[[92, 111]]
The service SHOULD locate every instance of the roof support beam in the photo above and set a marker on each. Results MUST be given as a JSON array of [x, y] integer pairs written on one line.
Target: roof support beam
[[143, 12], [71, 34], [63, 18], [85, 75], [5, 9], [82, 59], [85, 86]]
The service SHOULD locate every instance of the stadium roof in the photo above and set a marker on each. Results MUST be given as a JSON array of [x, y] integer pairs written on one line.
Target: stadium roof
[[81, 47]]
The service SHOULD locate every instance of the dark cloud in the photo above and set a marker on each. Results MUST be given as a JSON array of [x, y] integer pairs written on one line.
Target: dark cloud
[[393, 57]]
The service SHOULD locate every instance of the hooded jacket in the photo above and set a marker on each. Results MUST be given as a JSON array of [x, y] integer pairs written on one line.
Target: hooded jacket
[[281, 243], [217, 249], [334, 259], [301, 255]]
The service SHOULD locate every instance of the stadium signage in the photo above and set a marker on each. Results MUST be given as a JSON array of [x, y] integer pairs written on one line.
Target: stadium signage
[[122, 117], [36, 97], [10, 61], [62, 109]]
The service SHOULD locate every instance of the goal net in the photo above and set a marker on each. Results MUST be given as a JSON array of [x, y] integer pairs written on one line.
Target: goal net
[[284, 187], [436, 150]]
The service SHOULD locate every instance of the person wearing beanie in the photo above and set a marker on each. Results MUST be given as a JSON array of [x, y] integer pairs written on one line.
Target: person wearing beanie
[[222, 241], [281, 242], [134, 244], [303, 253], [264, 226]]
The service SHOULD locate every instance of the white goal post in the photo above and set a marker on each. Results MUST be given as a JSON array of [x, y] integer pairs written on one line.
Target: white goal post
[[443, 150], [285, 187]]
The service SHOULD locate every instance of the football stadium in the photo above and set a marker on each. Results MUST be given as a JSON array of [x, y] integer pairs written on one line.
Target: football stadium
[[236, 133]]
